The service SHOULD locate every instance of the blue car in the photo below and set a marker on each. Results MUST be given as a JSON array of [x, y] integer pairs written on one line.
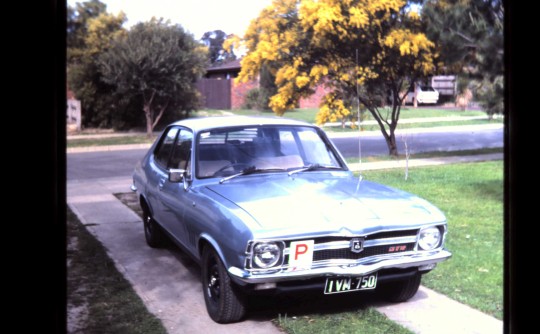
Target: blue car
[[268, 205]]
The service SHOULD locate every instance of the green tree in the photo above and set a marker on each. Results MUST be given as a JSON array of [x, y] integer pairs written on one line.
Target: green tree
[[159, 64], [77, 20], [90, 32], [370, 49], [470, 38], [214, 41], [259, 97]]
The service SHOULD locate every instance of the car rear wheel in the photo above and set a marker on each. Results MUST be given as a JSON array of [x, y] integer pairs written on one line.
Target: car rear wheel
[[152, 232], [223, 302], [404, 290]]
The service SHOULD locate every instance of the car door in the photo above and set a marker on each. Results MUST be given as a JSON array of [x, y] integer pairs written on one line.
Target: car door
[[157, 173], [172, 195]]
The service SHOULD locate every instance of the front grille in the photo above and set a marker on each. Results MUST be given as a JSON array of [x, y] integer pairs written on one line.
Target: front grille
[[392, 234], [383, 250], [345, 253], [375, 236]]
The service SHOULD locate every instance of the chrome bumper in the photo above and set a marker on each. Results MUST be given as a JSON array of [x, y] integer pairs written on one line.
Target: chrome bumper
[[420, 260]]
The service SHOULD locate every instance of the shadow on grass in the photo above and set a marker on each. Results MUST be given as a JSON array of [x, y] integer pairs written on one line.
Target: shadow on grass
[[311, 302], [489, 189]]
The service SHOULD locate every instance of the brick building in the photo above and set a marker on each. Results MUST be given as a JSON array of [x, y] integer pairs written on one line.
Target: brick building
[[221, 91]]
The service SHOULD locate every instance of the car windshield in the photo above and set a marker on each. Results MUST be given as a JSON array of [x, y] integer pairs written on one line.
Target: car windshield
[[427, 89], [265, 148]]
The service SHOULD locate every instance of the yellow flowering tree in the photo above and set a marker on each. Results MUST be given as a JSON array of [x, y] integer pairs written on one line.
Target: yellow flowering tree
[[373, 50]]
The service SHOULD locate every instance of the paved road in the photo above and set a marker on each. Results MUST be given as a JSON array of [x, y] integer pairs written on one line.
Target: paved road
[[423, 140], [92, 165], [95, 165]]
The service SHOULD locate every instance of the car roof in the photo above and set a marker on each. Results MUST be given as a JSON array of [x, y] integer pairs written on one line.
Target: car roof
[[204, 123]]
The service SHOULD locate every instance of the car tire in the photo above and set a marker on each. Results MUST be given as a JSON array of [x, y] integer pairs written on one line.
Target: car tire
[[152, 231], [224, 303], [403, 290]]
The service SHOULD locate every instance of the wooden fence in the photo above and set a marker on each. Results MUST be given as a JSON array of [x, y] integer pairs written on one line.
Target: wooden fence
[[216, 93]]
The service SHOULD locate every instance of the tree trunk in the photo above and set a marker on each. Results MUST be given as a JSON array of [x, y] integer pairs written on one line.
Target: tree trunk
[[161, 111], [415, 100], [149, 121], [148, 113], [391, 143], [389, 135]]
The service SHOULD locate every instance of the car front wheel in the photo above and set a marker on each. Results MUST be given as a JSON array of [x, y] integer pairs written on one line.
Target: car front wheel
[[404, 290], [152, 232], [223, 303]]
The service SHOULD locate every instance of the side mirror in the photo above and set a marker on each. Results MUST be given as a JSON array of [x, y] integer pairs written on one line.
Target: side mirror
[[179, 175], [176, 175]]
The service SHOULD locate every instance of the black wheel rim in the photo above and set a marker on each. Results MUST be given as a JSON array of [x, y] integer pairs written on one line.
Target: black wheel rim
[[213, 282]]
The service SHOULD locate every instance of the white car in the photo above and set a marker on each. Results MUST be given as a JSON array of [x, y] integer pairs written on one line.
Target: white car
[[424, 95]]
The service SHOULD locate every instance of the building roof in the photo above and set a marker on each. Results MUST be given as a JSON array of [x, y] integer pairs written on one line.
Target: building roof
[[225, 66]]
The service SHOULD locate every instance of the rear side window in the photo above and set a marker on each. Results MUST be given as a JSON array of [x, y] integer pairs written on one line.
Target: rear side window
[[163, 152], [181, 155]]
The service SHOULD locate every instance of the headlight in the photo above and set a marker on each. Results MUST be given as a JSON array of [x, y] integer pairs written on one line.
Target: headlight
[[267, 254], [429, 238]]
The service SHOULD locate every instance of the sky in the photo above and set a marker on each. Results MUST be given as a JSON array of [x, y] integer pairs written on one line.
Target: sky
[[195, 16]]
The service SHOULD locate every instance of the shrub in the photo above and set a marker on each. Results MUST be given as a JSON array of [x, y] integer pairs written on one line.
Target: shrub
[[252, 99]]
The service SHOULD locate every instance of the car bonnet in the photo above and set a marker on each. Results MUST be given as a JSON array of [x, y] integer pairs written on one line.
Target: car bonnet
[[317, 203]]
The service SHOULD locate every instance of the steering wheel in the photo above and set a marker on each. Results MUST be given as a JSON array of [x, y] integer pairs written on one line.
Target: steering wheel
[[235, 166]]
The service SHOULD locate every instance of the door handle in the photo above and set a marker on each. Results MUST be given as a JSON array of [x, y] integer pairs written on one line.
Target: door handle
[[161, 183]]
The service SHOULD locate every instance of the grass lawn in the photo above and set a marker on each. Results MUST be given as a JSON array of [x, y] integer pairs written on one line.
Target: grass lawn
[[367, 321], [435, 154], [309, 114], [471, 196], [410, 112], [99, 298]]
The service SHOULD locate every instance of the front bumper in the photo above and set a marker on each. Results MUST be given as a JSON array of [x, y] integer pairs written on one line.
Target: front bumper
[[424, 262]]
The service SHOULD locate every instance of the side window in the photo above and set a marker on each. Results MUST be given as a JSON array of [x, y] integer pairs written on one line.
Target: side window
[[164, 150], [182, 151]]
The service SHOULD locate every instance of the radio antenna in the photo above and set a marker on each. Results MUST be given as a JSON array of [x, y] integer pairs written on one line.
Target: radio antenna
[[359, 126]]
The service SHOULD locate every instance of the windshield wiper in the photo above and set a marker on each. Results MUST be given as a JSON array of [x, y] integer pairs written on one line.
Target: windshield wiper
[[251, 170], [312, 167]]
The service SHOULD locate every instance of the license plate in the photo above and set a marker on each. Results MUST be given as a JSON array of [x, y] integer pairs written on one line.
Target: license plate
[[348, 284]]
